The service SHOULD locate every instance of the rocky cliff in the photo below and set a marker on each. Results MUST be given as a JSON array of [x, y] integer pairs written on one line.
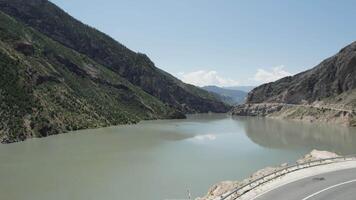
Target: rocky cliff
[[324, 93]]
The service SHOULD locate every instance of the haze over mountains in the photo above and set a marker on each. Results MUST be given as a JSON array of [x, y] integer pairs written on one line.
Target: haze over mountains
[[241, 88], [229, 96], [59, 74]]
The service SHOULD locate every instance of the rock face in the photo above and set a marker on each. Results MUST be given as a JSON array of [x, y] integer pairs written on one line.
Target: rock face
[[137, 68], [317, 155], [262, 109], [59, 75], [332, 77], [330, 86]]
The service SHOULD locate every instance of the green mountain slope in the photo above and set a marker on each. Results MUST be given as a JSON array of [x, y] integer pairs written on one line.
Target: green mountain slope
[[137, 68], [47, 88]]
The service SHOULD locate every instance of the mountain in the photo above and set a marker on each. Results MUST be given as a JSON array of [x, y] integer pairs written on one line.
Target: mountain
[[58, 75], [241, 88], [326, 92], [228, 96], [137, 68], [46, 88]]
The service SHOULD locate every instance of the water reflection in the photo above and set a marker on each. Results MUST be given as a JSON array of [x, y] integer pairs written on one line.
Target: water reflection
[[158, 159], [282, 134]]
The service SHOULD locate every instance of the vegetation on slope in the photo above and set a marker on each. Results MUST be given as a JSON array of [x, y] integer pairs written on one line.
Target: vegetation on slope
[[137, 68], [47, 88]]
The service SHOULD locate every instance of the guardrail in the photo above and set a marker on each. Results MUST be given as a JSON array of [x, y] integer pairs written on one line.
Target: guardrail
[[239, 191]]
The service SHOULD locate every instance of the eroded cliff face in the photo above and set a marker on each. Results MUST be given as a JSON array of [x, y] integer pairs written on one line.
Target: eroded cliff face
[[325, 93], [258, 109], [332, 77]]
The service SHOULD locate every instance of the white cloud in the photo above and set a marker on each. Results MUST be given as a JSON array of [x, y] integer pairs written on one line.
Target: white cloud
[[204, 78], [264, 76]]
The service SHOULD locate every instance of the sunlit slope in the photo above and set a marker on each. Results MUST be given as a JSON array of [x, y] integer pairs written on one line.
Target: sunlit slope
[[137, 68], [47, 88]]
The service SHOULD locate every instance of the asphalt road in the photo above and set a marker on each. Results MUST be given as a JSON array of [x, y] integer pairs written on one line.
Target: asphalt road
[[338, 185]]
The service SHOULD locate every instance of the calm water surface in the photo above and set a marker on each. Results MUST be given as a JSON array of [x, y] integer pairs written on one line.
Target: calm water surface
[[158, 159]]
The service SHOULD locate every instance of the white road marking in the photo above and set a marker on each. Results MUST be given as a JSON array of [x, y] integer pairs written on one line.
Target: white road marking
[[328, 188], [267, 191]]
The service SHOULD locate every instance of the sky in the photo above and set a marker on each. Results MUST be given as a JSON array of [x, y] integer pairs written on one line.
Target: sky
[[224, 42]]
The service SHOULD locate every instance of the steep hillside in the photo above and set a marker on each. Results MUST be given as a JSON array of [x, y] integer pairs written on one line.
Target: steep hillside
[[325, 93], [331, 78], [137, 68], [47, 88], [229, 96]]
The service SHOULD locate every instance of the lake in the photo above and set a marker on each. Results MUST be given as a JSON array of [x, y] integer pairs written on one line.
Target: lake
[[161, 159]]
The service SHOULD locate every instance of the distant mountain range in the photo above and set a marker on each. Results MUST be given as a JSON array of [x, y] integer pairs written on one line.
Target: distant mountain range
[[58, 75], [241, 88], [326, 93], [229, 96]]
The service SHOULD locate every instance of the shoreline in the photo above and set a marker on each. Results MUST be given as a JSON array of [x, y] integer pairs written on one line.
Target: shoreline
[[316, 112], [187, 116], [298, 175], [225, 187]]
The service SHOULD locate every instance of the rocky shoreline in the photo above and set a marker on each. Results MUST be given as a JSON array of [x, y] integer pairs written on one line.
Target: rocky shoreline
[[300, 112], [260, 109], [223, 187]]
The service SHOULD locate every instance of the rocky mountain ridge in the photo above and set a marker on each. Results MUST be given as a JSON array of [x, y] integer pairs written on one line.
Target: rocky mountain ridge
[[329, 79], [331, 84]]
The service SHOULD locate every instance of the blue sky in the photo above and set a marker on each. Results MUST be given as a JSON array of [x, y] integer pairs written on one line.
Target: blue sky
[[224, 42]]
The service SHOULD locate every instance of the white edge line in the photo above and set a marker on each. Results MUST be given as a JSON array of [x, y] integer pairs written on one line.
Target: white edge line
[[328, 188], [288, 182]]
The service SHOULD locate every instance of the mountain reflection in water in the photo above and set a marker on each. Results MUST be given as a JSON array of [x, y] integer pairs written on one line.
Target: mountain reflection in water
[[283, 134]]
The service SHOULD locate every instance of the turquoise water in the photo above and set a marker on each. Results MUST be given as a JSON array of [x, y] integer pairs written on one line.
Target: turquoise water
[[158, 159]]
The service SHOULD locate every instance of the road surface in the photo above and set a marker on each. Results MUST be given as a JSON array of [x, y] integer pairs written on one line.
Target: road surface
[[337, 185]]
